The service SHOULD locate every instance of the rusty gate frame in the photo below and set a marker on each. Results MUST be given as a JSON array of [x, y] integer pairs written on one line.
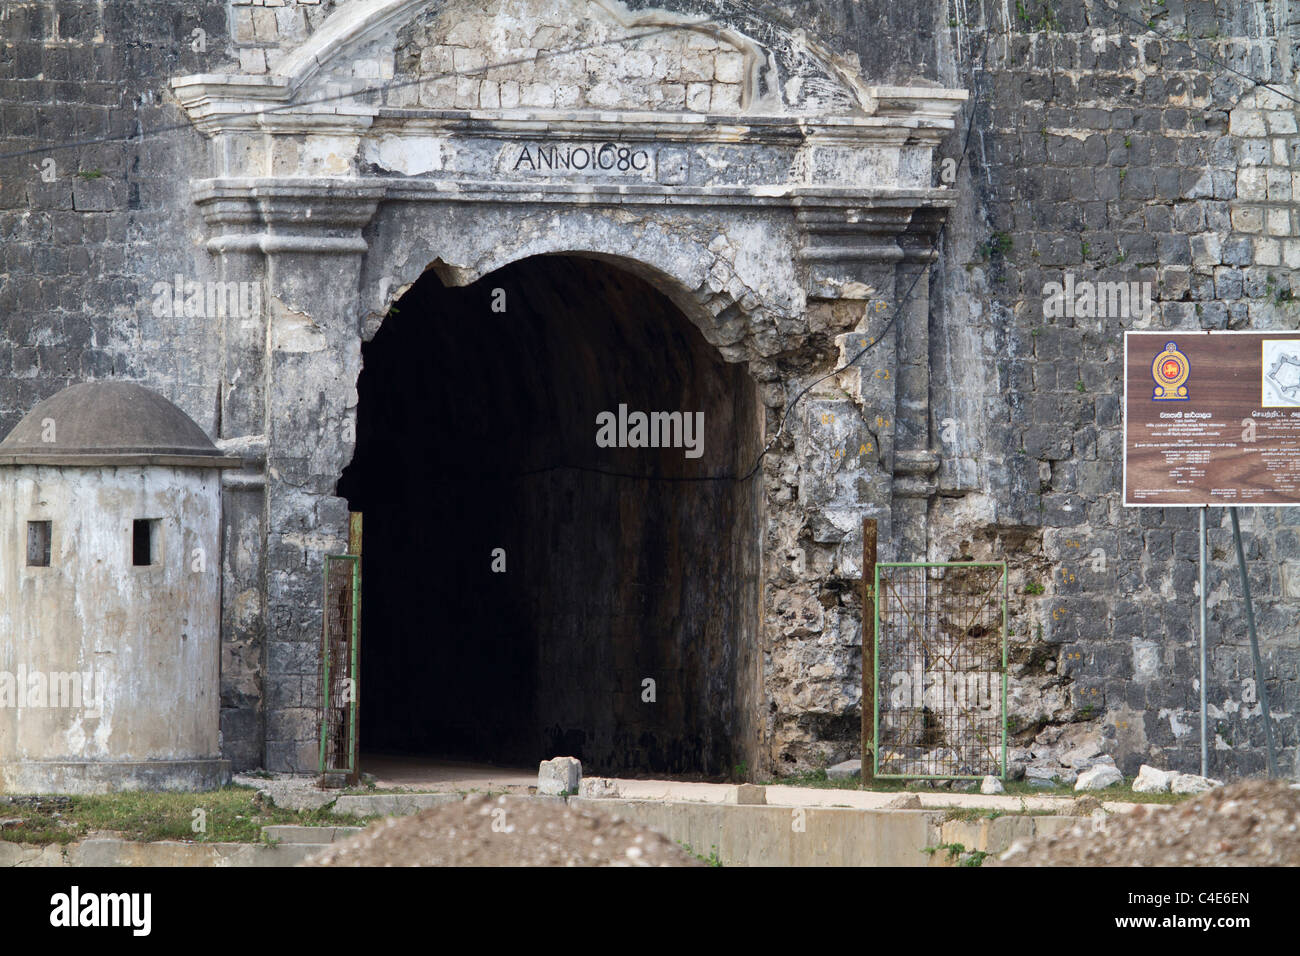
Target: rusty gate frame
[[878, 601], [330, 669]]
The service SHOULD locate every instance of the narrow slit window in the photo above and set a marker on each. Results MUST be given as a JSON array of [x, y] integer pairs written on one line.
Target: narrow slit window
[[144, 542], [39, 534]]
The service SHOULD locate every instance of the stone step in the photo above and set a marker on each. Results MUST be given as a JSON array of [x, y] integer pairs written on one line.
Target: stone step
[[164, 853], [293, 834], [390, 804]]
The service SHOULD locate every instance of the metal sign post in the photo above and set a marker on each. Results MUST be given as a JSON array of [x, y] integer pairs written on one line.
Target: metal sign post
[[1260, 689], [868, 650], [1205, 745]]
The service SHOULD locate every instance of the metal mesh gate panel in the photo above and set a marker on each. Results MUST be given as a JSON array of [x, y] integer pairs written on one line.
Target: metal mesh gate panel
[[940, 679]]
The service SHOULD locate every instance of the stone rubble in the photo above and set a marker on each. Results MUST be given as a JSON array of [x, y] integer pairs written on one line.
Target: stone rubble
[[1151, 780], [904, 801], [560, 776], [505, 831], [596, 787], [848, 770], [1099, 778], [1192, 783], [1251, 823]]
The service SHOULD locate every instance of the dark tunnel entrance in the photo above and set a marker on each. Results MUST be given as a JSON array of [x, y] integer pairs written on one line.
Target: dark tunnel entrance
[[477, 430]]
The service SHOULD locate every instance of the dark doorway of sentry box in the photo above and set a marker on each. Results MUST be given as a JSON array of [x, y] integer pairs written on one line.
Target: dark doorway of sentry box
[[477, 431]]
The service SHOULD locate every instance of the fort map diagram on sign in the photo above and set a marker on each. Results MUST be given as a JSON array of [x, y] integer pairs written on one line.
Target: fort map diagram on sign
[[1281, 373]]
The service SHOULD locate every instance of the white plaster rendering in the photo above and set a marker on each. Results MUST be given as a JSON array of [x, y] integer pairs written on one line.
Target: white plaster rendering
[[145, 636]]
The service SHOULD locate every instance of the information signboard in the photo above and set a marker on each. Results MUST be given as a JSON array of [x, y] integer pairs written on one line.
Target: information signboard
[[1211, 418]]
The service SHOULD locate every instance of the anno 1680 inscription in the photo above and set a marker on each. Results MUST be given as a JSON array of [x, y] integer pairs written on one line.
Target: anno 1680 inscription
[[580, 158]]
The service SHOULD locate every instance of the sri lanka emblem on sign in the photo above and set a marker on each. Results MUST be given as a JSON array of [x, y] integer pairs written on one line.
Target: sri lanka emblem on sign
[[1170, 370]]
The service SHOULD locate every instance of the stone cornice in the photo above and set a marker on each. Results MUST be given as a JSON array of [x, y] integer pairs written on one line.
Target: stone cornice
[[642, 126], [219, 103], [323, 202], [269, 216], [854, 227], [936, 105], [327, 216], [120, 460]]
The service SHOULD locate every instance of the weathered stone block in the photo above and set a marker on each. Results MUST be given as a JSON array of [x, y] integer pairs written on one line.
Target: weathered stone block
[[559, 776], [1151, 780], [1098, 778], [847, 770], [1192, 783]]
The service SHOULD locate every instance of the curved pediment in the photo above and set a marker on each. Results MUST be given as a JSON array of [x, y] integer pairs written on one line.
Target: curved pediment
[[568, 104], [580, 55]]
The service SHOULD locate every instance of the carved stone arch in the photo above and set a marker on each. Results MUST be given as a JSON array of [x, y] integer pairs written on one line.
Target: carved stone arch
[[780, 210], [735, 305]]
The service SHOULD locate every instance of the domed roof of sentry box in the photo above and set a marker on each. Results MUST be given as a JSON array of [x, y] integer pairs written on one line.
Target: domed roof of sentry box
[[109, 423]]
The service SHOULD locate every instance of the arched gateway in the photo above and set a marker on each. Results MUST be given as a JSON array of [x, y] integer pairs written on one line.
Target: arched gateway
[[723, 170]]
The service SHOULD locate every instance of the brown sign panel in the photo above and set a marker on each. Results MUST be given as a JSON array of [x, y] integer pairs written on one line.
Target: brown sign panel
[[1211, 418]]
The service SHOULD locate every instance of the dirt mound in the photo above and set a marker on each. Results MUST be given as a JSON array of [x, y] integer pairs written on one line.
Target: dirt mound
[[1253, 823], [505, 831]]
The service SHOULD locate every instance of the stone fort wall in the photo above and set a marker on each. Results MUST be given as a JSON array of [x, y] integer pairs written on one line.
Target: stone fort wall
[[1102, 147]]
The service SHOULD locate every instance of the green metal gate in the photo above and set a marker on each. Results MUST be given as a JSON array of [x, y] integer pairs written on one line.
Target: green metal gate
[[940, 669], [339, 660]]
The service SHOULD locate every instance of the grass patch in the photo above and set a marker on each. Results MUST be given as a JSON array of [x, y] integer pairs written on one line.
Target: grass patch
[[1119, 793], [228, 815], [976, 814], [712, 859], [817, 780], [958, 853], [810, 778]]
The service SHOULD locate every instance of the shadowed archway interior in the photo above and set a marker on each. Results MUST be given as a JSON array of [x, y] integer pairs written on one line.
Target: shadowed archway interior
[[476, 431]]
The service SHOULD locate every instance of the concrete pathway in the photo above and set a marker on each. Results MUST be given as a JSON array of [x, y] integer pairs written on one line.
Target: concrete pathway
[[413, 773], [412, 777], [785, 796]]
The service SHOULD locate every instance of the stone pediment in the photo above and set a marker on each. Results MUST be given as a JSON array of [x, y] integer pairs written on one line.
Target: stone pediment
[[595, 54], [567, 104], [599, 55], [575, 58]]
